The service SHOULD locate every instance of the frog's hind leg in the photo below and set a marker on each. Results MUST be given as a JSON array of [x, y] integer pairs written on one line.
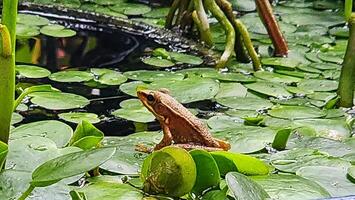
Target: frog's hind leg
[[167, 138]]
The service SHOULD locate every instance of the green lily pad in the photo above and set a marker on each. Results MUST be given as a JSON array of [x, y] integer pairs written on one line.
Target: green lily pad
[[69, 165], [244, 188], [296, 112], [133, 110], [274, 77], [318, 85], [223, 122], [185, 58], [158, 62], [150, 76], [33, 20], [245, 103], [58, 100], [292, 160], [233, 77], [291, 187], [351, 173], [71, 76], [157, 13], [247, 139], [333, 179], [31, 71], [109, 77], [16, 118], [131, 8], [287, 63], [56, 131], [77, 117], [26, 31], [57, 31], [130, 88], [109, 190], [269, 89], [325, 66], [231, 90]]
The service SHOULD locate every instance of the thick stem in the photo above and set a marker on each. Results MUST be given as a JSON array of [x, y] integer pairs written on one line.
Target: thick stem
[[249, 45], [240, 52], [171, 15], [346, 81], [187, 20], [348, 9], [201, 20], [265, 12], [182, 8], [212, 6], [6, 41], [7, 67]]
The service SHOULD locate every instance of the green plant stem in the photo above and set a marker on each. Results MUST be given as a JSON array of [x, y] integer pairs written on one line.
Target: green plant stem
[[201, 20], [171, 15], [249, 45], [348, 9], [26, 193], [346, 81], [212, 6], [7, 67]]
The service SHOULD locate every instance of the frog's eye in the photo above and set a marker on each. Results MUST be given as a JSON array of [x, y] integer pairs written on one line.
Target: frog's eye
[[150, 98]]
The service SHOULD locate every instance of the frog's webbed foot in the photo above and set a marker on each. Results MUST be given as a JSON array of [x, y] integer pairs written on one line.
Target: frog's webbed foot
[[189, 147], [143, 148]]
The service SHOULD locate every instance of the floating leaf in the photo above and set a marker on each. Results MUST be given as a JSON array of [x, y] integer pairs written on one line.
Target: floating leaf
[[57, 131], [110, 77], [333, 179], [25, 31], [185, 58], [245, 103], [57, 31], [77, 117], [71, 76], [291, 187], [131, 8], [296, 112], [58, 100], [269, 88], [33, 20], [244, 188], [158, 62], [134, 112], [69, 165], [318, 85], [150, 76], [231, 90], [274, 77], [32, 71]]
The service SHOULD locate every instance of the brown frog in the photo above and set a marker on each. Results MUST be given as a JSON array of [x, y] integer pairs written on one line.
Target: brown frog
[[181, 128]]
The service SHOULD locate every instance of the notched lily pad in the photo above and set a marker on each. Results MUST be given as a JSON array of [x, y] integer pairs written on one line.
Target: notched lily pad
[[296, 112], [58, 100]]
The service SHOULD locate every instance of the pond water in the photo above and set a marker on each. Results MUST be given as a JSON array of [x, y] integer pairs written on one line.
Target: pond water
[[98, 70]]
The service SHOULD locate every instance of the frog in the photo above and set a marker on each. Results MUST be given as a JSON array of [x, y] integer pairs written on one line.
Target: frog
[[180, 127]]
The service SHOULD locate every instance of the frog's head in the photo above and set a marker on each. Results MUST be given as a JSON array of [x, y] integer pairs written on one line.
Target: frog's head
[[157, 102]]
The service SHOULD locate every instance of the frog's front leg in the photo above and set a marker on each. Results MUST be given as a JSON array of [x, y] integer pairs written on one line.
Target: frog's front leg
[[167, 138], [189, 147]]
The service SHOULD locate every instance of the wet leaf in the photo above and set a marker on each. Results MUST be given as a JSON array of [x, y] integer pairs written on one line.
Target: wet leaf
[[185, 58], [58, 100], [318, 85], [150, 76], [57, 31], [86, 136], [245, 103], [131, 8], [33, 20], [71, 76], [244, 188], [269, 89], [296, 112], [25, 31], [69, 165], [32, 71], [158, 62], [56, 131], [77, 117], [333, 179]]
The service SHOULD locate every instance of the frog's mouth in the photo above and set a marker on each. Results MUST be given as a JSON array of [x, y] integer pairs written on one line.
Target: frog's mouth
[[143, 96]]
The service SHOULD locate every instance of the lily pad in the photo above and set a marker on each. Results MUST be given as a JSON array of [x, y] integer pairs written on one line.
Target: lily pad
[[131, 8], [32, 71], [318, 85], [33, 20], [245, 103], [150, 76], [58, 100], [296, 112], [185, 58], [71, 76], [110, 77], [292, 160], [274, 77], [57, 31], [247, 139], [244, 188], [269, 89], [291, 187], [231, 90], [287, 63], [133, 110], [26, 31], [77, 117], [57, 131], [158, 62], [333, 179]]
